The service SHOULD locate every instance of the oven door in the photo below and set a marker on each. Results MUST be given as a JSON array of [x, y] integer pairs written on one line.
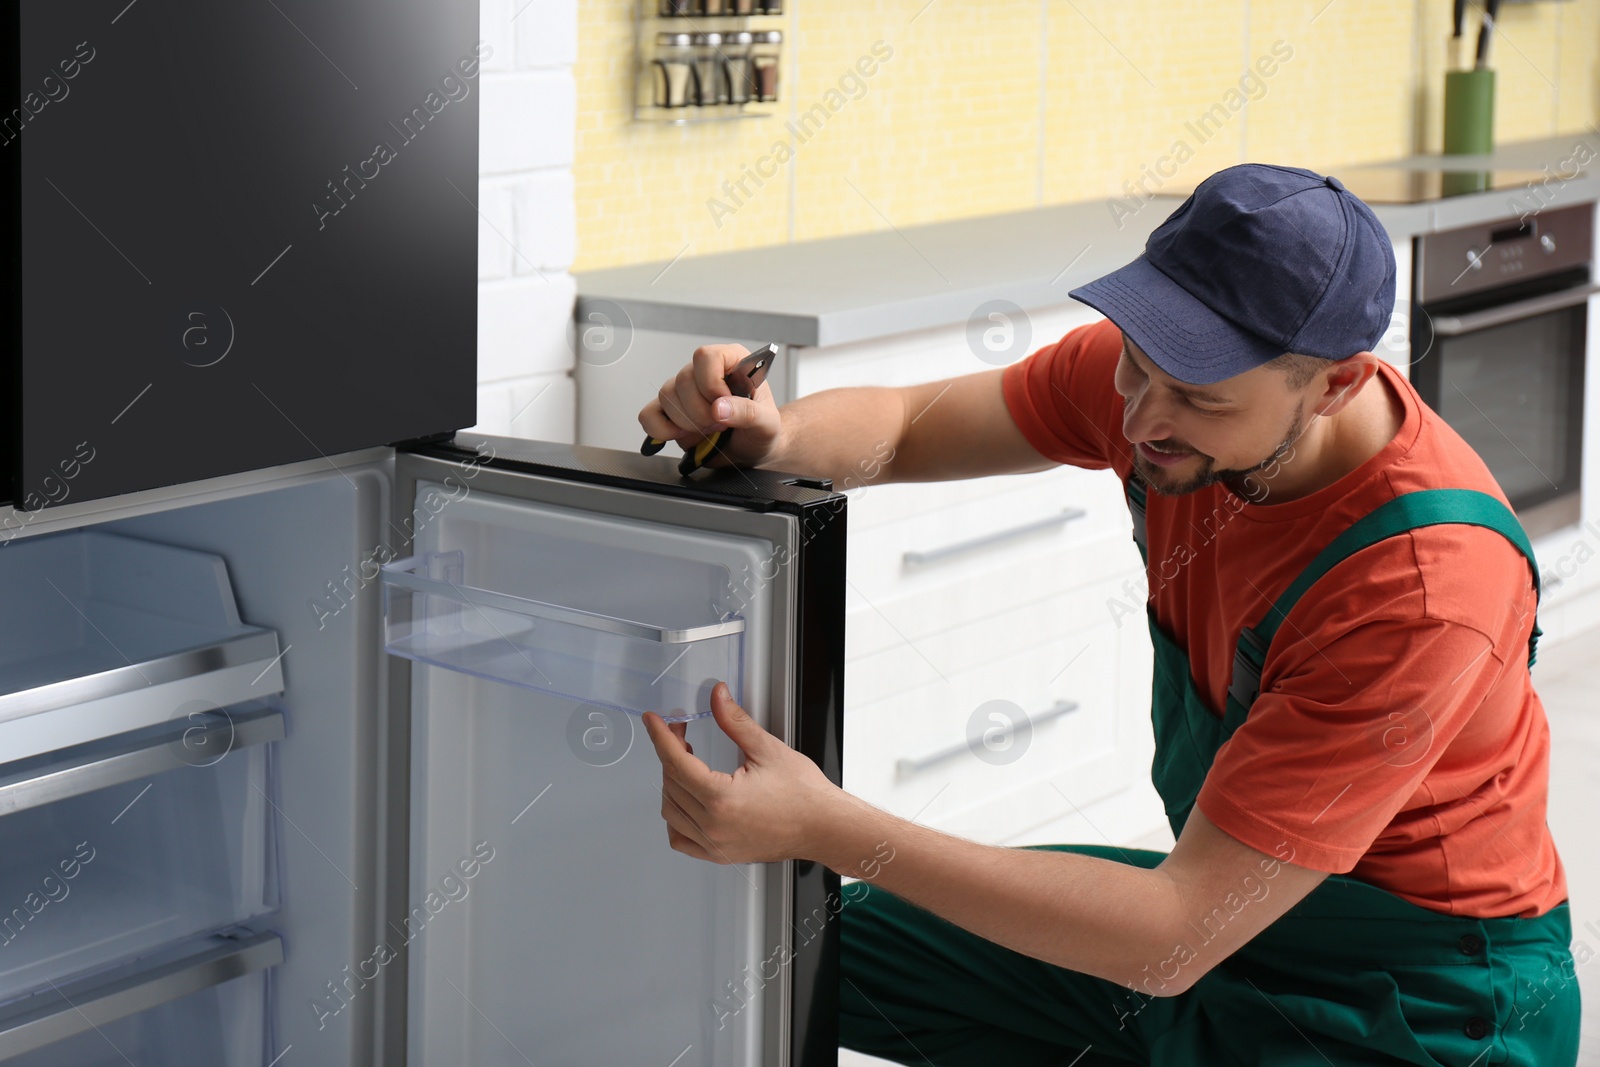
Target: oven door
[[1508, 376]]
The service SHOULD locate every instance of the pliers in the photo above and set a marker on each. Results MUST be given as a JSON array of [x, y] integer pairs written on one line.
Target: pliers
[[743, 380]]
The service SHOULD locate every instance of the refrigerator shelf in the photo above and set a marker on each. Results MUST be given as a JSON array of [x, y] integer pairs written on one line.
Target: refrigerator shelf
[[431, 616], [197, 740], [113, 633], [122, 862], [90, 1003]]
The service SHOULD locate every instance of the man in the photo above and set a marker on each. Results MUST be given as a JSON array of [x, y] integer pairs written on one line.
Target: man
[[1348, 744]]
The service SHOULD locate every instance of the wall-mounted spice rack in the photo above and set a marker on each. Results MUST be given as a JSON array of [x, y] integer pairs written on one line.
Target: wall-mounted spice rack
[[706, 60]]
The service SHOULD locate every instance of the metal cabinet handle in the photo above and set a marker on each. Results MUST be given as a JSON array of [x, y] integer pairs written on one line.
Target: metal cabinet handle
[[1455, 325], [918, 764], [89, 1003], [936, 555], [125, 757]]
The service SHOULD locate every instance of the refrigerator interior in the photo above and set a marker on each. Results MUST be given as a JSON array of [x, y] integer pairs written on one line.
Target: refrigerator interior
[[549, 918], [293, 548], [581, 937]]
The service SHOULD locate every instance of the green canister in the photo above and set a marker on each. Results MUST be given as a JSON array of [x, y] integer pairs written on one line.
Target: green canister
[[1469, 112]]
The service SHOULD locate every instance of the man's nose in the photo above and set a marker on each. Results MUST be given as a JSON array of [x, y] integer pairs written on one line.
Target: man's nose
[[1144, 420]]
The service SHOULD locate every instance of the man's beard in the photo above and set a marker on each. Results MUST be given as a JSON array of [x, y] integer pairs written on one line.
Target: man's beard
[[1159, 478]]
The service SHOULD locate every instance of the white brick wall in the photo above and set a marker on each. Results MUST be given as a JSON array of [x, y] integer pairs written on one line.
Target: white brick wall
[[527, 225]]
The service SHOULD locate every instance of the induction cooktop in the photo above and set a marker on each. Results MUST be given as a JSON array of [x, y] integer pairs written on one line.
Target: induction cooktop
[[1393, 185], [1401, 185]]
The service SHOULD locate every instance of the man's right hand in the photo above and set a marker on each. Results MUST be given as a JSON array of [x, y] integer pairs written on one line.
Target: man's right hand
[[696, 402]]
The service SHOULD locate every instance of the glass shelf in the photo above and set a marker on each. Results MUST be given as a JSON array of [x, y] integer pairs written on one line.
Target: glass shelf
[[690, 115], [432, 616]]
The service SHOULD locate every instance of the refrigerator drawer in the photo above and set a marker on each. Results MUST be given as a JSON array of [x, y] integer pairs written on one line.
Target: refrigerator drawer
[[110, 633], [126, 846]]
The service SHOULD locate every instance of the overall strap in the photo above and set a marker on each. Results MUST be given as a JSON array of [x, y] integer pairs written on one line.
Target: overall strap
[[1427, 507], [1135, 492]]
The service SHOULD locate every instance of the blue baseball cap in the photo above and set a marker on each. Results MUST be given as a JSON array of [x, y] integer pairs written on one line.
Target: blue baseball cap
[[1261, 260]]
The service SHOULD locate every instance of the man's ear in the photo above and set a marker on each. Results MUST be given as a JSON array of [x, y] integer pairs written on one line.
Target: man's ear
[[1343, 381]]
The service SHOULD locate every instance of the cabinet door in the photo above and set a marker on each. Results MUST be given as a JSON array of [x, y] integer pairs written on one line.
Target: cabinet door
[[243, 235], [554, 594]]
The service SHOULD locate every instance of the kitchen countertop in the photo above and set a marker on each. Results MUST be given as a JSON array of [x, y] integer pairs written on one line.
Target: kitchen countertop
[[863, 286]]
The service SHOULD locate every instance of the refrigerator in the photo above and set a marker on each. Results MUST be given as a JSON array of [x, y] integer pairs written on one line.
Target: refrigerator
[[340, 763], [319, 718]]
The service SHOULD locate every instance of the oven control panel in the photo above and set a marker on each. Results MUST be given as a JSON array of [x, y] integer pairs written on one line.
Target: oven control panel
[[1471, 259]]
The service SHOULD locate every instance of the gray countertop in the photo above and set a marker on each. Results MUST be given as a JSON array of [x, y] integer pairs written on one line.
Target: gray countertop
[[862, 286]]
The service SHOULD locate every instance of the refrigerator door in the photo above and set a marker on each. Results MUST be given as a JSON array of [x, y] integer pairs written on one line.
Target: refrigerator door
[[293, 250], [553, 594]]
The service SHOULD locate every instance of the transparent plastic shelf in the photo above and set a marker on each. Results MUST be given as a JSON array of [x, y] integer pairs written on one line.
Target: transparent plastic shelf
[[433, 616], [204, 1001], [117, 866], [108, 633]]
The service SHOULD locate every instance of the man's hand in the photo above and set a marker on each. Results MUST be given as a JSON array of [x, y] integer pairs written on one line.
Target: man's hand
[[770, 809], [696, 402]]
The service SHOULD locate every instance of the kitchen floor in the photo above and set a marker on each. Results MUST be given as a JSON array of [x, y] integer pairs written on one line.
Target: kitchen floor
[[1568, 679]]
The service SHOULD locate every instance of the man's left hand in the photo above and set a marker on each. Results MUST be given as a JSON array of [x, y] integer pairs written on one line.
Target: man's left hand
[[770, 809]]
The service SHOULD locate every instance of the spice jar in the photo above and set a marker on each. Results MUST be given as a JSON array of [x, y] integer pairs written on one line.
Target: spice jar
[[764, 64], [677, 8], [736, 48], [674, 70], [770, 7], [710, 70]]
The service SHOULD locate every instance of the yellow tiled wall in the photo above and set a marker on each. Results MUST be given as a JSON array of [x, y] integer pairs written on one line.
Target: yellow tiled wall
[[973, 109]]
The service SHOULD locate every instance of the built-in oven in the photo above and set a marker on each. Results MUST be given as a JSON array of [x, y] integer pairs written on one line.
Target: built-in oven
[[1498, 339]]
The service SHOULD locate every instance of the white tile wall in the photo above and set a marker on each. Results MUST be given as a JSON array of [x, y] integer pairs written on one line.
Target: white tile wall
[[497, 27], [529, 120], [523, 325], [547, 32], [527, 221], [495, 231], [546, 224]]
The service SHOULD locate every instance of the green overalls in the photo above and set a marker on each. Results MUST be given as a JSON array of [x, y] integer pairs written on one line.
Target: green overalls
[[1352, 974]]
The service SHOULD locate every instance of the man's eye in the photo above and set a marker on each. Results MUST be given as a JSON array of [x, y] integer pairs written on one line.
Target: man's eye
[[1201, 408]]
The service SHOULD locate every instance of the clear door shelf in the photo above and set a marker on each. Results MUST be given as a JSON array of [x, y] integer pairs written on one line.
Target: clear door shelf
[[635, 665], [111, 633]]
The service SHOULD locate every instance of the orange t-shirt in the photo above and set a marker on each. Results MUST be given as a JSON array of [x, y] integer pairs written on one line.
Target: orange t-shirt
[[1397, 736]]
